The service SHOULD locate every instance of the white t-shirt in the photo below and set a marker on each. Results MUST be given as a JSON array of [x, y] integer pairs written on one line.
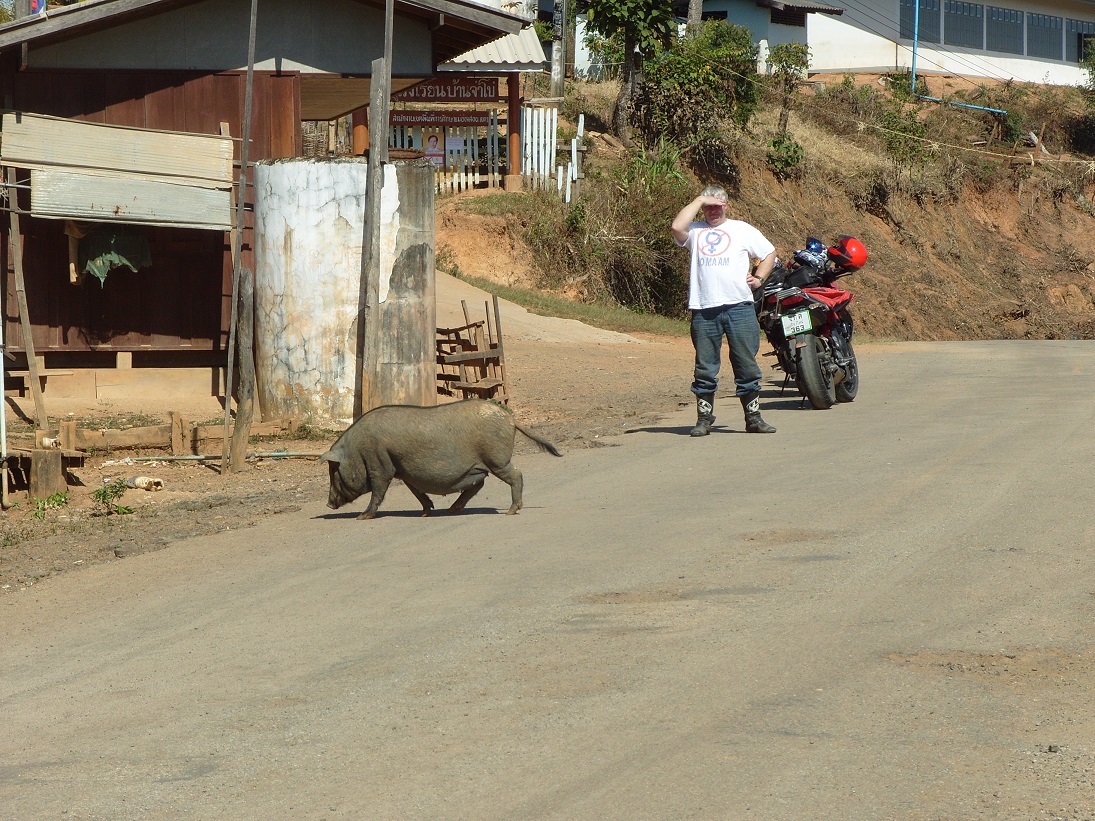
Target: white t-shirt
[[721, 262]]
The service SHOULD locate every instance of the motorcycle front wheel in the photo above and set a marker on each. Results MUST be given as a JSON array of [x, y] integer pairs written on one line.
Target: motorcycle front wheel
[[813, 378]]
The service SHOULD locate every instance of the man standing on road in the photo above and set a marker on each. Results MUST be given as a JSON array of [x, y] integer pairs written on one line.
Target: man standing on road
[[720, 296]]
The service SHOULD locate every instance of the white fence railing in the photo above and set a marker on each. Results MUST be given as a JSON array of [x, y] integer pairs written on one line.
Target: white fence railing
[[545, 164], [467, 157]]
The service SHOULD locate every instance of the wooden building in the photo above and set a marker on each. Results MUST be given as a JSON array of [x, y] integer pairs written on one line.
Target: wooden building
[[181, 66]]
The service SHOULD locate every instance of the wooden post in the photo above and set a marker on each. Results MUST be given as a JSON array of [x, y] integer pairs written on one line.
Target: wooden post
[[512, 181], [245, 402], [46, 475], [559, 48], [501, 349], [369, 299], [360, 121], [21, 297], [176, 434], [66, 432], [237, 249]]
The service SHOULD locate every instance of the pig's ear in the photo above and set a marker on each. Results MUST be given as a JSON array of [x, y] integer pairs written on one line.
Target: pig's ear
[[332, 455]]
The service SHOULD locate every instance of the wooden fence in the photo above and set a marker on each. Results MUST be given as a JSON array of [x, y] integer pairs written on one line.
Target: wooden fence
[[468, 156]]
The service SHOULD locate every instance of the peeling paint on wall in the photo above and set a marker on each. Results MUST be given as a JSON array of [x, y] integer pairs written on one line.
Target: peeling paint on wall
[[309, 225]]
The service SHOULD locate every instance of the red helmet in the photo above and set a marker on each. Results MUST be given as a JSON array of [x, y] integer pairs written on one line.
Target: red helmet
[[849, 253]]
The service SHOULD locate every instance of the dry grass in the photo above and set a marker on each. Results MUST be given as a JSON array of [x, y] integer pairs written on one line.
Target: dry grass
[[596, 100], [826, 152]]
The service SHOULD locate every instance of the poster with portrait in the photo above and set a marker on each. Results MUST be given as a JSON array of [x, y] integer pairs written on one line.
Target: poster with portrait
[[433, 147]]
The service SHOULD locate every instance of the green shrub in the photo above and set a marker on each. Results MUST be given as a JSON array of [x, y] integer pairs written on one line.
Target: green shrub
[[51, 502], [107, 497], [1081, 133], [900, 85], [902, 135], [784, 155], [608, 51], [695, 91], [840, 108], [613, 244]]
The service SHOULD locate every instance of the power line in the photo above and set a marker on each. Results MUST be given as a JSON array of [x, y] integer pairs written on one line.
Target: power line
[[979, 66], [893, 28]]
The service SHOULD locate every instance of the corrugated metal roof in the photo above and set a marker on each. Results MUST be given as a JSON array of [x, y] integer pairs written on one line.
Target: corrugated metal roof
[[471, 21], [801, 5], [513, 52]]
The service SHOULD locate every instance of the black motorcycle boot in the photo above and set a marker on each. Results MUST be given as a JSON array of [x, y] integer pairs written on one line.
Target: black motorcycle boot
[[705, 416], [753, 422]]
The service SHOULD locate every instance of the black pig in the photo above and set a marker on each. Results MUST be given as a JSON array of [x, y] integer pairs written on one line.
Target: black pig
[[445, 449]]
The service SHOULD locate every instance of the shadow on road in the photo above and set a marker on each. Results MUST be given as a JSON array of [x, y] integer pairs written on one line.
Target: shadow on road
[[416, 513]]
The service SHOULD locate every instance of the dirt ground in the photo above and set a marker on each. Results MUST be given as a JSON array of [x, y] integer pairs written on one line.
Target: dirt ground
[[574, 392]]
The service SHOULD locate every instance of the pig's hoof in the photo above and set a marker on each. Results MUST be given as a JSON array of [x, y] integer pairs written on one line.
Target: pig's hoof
[[366, 515], [513, 510]]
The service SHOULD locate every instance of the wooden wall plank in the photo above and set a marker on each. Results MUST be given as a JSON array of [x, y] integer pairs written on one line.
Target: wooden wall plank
[[68, 195], [185, 295], [34, 141]]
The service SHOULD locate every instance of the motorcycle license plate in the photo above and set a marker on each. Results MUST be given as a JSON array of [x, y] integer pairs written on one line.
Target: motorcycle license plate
[[796, 323]]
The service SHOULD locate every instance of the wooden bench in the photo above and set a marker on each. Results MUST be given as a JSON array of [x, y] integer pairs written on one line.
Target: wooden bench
[[471, 359]]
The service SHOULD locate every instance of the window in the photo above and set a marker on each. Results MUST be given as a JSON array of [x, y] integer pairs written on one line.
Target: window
[[1044, 36], [1076, 31], [928, 22], [1003, 30], [964, 24], [789, 17]]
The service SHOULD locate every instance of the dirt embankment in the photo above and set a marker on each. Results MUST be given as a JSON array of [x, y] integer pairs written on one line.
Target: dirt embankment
[[1015, 260]]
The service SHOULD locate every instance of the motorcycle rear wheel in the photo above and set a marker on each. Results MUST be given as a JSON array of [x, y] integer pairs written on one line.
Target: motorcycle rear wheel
[[848, 387], [813, 378]]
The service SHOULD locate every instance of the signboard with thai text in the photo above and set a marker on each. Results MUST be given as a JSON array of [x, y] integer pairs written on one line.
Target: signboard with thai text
[[451, 90], [438, 119]]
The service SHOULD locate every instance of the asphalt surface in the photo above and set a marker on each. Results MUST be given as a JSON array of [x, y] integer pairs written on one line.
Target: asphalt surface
[[806, 625]]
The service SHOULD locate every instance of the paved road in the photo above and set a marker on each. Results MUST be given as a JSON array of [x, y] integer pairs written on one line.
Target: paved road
[[671, 628]]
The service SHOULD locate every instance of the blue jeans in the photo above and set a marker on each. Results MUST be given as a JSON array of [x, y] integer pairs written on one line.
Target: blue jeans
[[738, 323]]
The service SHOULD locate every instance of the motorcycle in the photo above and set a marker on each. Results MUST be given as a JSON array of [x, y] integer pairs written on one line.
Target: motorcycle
[[805, 318]]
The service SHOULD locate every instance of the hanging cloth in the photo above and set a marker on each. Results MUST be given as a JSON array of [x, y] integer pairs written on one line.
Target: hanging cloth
[[104, 249]]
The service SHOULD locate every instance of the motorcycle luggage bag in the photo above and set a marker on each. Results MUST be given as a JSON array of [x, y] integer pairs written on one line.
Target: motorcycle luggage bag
[[802, 276]]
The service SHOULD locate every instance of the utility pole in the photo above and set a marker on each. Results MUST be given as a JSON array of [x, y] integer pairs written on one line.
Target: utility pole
[[366, 391], [559, 49]]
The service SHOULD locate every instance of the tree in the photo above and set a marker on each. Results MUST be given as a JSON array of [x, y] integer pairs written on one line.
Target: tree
[[789, 62], [646, 25], [697, 92], [695, 16]]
